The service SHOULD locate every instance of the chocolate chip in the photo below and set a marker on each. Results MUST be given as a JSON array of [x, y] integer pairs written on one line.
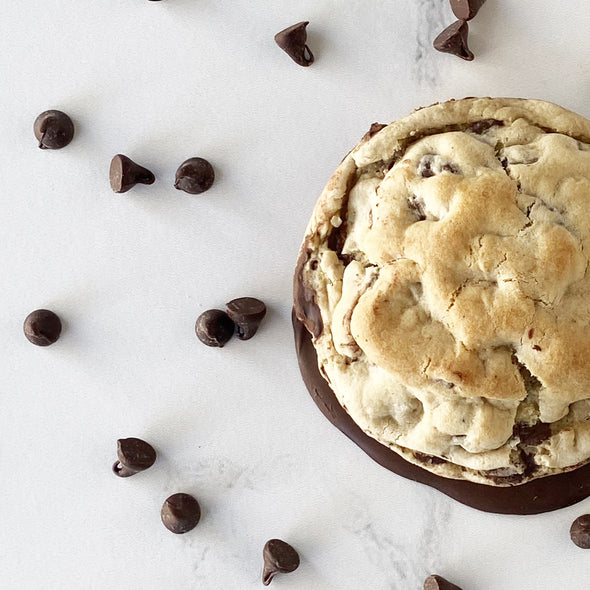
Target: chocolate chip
[[373, 130], [180, 513], [453, 40], [337, 238], [449, 168], [532, 435], [214, 328], [134, 455], [425, 166], [429, 459], [53, 130], [580, 531], [433, 164], [42, 327], [438, 583], [466, 9], [292, 41], [194, 176], [499, 476], [246, 313], [531, 383], [279, 558], [416, 206], [124, 174]]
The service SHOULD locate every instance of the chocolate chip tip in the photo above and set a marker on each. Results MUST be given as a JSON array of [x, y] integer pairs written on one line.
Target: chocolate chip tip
[[121, 471], [290, 30], [267, 576]]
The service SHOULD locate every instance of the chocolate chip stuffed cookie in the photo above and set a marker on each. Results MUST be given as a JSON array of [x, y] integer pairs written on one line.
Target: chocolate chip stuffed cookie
[[443, 280]]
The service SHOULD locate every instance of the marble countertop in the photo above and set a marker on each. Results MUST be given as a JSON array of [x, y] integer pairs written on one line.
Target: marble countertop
[[129, 274]]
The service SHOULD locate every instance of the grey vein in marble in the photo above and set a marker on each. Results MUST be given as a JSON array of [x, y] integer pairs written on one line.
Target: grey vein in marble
[[431, 17], [390, 555], [403, 563], [432, 544]]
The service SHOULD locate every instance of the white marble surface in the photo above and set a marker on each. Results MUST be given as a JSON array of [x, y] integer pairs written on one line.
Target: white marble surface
[[163, 81]]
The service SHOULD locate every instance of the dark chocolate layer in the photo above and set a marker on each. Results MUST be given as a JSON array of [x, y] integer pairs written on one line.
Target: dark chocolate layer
[[537, 496]]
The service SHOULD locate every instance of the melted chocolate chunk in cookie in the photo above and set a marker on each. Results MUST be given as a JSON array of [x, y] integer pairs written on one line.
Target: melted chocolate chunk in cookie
[[432, 164], [416, 205], [373, 130], [483, 125], [532, 435]]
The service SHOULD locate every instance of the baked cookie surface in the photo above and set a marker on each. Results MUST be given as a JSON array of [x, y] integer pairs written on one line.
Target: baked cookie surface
[[443, 277]]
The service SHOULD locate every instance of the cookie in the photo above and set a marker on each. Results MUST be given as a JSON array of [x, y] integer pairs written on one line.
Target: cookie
[[443, 280]]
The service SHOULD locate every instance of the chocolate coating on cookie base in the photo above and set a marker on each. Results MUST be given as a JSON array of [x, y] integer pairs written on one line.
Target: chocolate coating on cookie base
[[537, 496]]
